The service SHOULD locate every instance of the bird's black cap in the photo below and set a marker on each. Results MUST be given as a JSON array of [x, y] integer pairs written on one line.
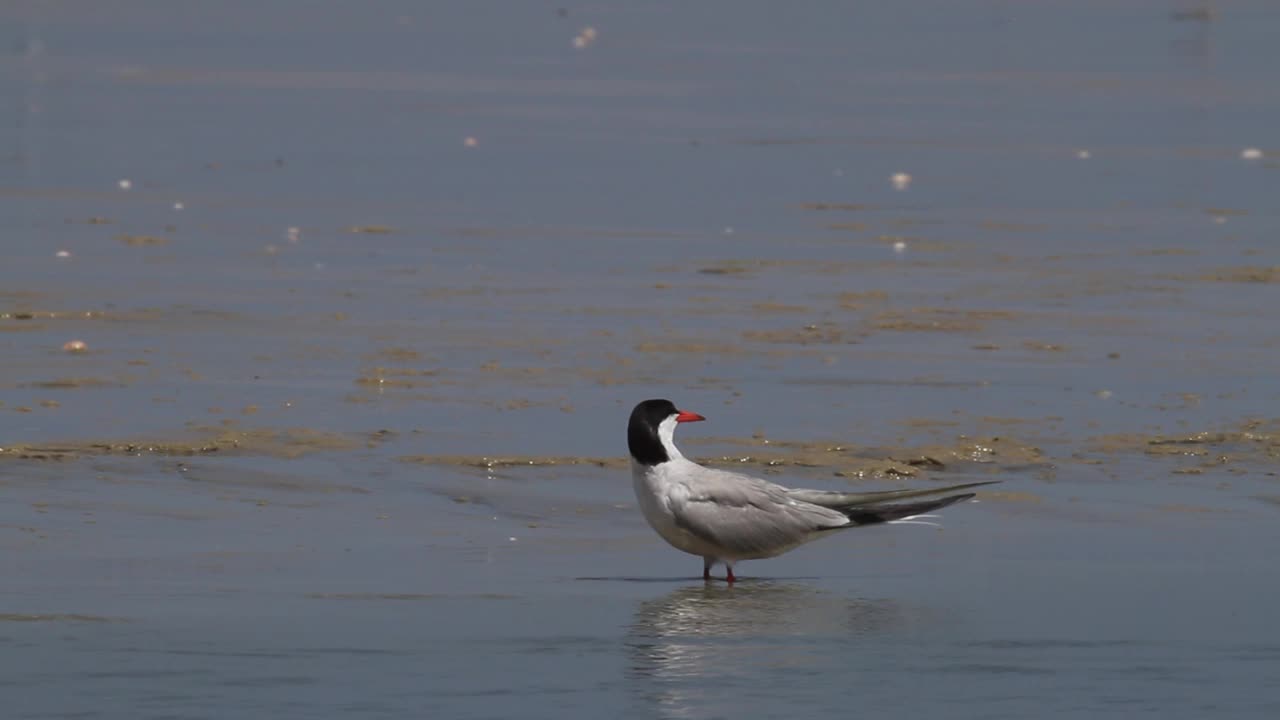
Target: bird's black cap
[[642, 431]]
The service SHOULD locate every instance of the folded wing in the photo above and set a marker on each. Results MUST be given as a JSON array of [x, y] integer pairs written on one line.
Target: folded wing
[[748, 517], [830, 499], [870, 508]]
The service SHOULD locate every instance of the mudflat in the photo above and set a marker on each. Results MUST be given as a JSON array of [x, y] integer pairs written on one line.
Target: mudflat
[[320, 328]]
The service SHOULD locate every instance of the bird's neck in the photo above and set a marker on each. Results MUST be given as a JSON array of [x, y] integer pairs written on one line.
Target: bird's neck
[[667, 436]]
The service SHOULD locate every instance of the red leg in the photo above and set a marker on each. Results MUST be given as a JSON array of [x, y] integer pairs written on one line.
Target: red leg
[[729, 577]]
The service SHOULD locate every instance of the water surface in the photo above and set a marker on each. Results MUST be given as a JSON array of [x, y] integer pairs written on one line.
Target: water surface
[[328, 264]]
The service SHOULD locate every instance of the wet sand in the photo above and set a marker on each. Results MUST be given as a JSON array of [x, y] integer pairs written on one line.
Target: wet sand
[[316, 367]]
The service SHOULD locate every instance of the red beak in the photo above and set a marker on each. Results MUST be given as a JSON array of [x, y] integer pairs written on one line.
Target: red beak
[[689, 417]]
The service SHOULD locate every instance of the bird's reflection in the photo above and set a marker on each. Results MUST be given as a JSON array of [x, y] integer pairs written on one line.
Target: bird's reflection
[[699, 637]]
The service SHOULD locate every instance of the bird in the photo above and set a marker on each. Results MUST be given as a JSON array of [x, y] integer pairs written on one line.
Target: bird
[[726, 517]]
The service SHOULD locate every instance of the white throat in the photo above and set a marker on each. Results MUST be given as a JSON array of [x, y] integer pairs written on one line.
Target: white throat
[[666, 436]]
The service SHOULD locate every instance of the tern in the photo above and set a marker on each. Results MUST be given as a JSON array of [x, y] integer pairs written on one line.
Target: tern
[[725, 517]]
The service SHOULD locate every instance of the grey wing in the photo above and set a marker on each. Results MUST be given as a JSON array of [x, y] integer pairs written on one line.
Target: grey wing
[[844, 500], [748, 517]]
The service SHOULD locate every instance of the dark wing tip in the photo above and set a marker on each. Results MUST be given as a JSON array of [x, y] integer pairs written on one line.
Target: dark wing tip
[[874, 515]]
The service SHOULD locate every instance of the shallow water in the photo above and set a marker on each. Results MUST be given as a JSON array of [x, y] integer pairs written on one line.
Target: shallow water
[[317, 319]]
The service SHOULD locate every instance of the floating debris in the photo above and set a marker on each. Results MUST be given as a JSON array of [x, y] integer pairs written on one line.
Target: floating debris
[[142, 240], [586, 38], [470, 141], [1038, 346], [1199, 14], [1083, 154], [62, 254], [1252, 153], [75, 346], [900, 181], [125, 184]]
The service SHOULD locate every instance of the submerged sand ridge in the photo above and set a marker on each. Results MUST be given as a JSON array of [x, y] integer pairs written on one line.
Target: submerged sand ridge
[[1253, 443]]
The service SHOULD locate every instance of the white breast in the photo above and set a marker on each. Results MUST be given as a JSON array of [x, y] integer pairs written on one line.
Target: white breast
[[655, 492]]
